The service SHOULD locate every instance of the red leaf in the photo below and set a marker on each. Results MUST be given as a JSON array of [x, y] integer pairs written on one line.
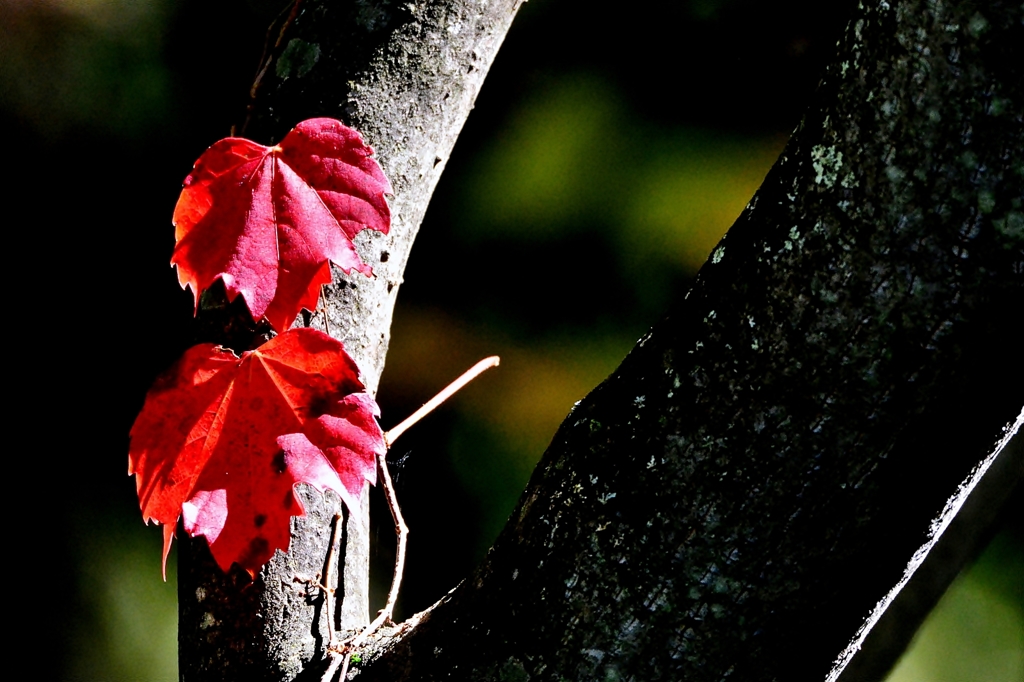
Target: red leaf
[[266, 220], [222, 441]]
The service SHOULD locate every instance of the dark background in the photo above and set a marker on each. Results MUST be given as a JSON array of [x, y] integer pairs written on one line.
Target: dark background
[[609, 151]]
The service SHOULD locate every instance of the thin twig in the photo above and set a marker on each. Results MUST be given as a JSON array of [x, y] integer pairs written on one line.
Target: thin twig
[[332, 555], [341, 652], [402, 531], [384, 615], [335, 650], [323, 310], [266, 58], [336, 660], [333, 645], [470, 374]]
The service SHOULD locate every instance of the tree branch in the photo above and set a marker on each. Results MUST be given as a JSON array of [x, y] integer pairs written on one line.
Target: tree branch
[[734, 500], [737, 496]]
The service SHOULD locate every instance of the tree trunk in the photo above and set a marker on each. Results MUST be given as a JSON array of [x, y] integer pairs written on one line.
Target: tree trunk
[[406, 76], [737, 496]]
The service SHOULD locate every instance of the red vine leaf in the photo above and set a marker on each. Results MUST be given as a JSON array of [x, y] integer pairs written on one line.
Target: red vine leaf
[[222, 441], [266, 220]]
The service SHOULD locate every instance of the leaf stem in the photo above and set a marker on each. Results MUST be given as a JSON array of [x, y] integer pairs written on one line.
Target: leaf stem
[[447, 392]]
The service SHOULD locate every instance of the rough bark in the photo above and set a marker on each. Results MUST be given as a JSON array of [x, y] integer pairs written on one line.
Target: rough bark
[[405, 74], [735, 499]]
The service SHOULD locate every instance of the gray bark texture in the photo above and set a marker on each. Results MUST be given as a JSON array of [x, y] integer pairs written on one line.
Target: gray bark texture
[[738, 495]]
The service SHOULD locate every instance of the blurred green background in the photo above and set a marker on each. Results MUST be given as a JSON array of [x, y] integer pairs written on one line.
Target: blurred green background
[[591, 130]]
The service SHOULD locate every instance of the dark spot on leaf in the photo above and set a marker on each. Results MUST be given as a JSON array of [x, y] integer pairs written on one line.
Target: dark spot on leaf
[[277, 464], [320, 404], [308, 376], [256, 404], [384, 257], [256, 554]]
